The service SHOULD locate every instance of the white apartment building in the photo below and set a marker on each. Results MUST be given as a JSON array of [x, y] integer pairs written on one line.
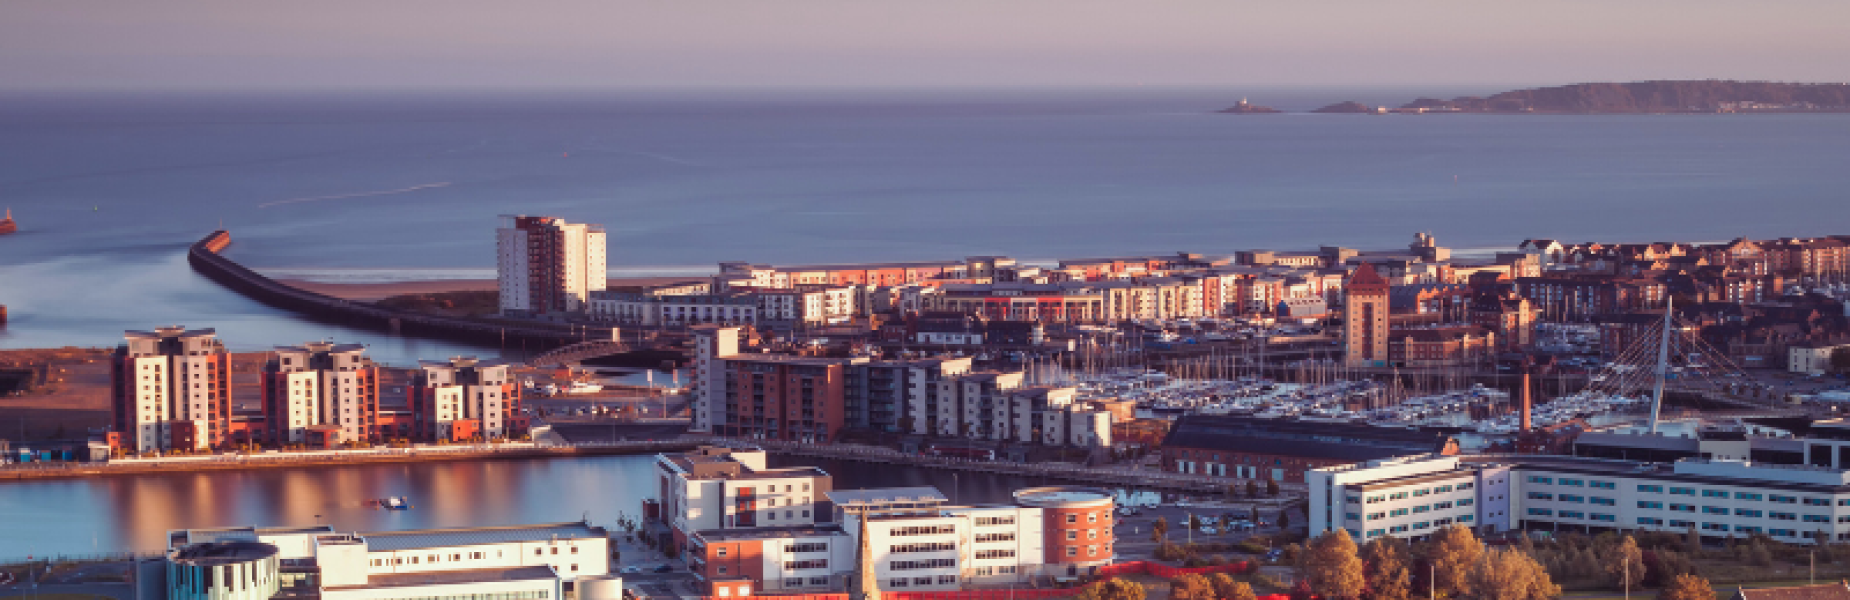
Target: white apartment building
[[1813, 359], [547, 265], [672, 310], [729, 488], [171, 389], [320, 384], [1719, 498], [708, 379], [920, 543], [464, 398]]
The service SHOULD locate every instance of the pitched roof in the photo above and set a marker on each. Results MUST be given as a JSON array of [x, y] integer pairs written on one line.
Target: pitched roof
[[1306, 439], [1823, 591], [1365, 277]]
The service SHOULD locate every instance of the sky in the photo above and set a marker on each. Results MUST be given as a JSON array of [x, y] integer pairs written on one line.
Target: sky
[[572, 44]]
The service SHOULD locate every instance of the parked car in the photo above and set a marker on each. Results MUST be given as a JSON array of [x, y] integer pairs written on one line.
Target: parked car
[[664, 569]]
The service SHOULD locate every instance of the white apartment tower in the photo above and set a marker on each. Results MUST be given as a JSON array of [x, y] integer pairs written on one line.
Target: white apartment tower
[[546, 265], [333, 387], [171, 390], [462, 399], [712, 343]]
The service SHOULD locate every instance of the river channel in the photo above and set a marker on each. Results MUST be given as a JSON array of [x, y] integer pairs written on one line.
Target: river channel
[[73, 517]]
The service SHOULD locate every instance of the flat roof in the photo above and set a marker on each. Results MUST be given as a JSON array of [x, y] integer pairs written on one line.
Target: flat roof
[[387, 541], [886, 496], [242, 534], [221, 553], [722, 535], [1057, 495], [398, 580]]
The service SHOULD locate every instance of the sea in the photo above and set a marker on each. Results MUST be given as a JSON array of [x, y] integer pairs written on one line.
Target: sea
[[110, 189]]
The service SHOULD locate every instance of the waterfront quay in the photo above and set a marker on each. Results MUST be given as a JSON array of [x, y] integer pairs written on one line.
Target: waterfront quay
[[1106, 476]]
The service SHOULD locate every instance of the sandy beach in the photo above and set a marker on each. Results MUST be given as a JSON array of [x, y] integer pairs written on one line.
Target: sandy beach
[[372, 292]]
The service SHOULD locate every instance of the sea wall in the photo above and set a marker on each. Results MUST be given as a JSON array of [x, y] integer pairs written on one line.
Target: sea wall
[[534, 335]]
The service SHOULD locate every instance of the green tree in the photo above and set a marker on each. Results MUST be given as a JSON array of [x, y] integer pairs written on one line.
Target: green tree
[[1191, 587], [1625, 564], [1385, 567], [1453, 553], [1509, 574], [1331, 566]]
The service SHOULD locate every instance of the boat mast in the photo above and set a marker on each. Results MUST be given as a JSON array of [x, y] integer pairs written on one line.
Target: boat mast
[[1663, 363]]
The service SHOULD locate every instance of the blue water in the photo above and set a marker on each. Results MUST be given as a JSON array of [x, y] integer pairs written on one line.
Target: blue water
[[110, 190]]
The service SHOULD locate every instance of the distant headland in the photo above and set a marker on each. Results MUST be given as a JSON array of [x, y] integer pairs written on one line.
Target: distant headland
[[1639, 97], [1248, 108]]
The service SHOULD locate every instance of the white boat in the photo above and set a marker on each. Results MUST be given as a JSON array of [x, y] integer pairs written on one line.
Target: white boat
[[584, 387]]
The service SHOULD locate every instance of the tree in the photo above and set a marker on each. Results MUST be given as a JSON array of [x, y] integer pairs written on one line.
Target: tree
[[1191, 587], [1160, 529], [1113, 589], [1687, 587], [1228, 589], [1385, 568], [1625, 564], [1284, 520], [1693, 541], [1509, 574], [1840, 360], [1453, 552], [1252, 489], [1331, 566], [1222, 584], [1271, 487], [1233, 491]]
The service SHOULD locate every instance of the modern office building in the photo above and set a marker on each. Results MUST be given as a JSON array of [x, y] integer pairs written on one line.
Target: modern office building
[[547, 266], [170, 389], [464, 399], [1416, 495], [516, 562], [744, 527], [321, 394]]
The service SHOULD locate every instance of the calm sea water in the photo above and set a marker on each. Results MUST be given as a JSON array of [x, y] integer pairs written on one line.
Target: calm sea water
[[117, 514], [110, 190]]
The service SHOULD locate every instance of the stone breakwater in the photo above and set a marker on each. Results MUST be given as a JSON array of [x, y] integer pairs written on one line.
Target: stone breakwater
[[205, 257]]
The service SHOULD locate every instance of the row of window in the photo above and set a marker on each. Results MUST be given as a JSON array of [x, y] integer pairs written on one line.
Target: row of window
[[814, 563], [924, 530], [1685, 491], [925, 547], [900, 582], [1417, 493], [1420, 526]]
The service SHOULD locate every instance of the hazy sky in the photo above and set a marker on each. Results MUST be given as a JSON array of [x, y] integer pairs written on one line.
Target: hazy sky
[[167, 44]]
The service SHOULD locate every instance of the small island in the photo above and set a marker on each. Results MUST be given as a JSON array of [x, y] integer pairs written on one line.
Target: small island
[[1248, 108], [1347, 108], [1652, 97]]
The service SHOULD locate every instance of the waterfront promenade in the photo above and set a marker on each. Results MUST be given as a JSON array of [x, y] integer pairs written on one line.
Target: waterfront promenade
[[1107, 476]]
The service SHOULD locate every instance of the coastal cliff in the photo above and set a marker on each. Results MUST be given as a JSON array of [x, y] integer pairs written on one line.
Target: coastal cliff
[[1705, 96]]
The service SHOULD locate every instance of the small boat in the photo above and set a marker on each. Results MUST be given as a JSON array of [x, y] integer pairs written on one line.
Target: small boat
[[584, 387], [7, 225], [393, 503]]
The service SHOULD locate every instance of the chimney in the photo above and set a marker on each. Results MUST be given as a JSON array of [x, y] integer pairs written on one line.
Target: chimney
[[1525, 401]]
